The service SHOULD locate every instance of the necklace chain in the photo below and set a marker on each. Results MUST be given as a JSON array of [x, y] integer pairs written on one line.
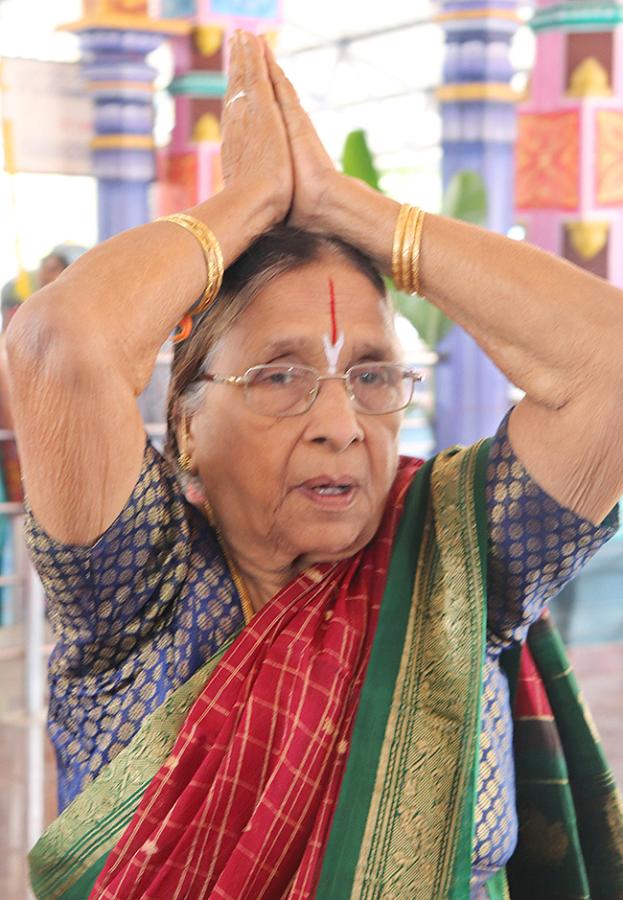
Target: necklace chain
[[245, 601]]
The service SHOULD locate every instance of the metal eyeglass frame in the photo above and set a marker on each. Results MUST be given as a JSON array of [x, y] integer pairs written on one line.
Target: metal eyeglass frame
[[245, 379]]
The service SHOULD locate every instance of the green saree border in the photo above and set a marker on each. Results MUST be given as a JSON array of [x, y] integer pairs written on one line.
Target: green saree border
[[497, 887], [349, 822], [593, 792], [83, 887], [67, 859]]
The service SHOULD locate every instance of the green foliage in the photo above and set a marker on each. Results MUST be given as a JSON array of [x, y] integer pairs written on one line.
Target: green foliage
[[465, 198], [430, 323], [357, 159]]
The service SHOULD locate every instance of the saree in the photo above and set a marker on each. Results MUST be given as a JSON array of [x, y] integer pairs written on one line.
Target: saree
[[349, 771]]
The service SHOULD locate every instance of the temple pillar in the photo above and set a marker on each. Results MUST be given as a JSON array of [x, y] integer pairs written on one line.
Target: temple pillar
[[114, 45], [478, 111]]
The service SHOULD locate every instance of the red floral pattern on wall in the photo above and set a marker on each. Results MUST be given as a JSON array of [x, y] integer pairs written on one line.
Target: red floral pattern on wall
[[548, 161], [609, 164]]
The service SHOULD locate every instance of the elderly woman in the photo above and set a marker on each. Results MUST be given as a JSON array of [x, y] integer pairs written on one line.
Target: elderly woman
[[278, 661]]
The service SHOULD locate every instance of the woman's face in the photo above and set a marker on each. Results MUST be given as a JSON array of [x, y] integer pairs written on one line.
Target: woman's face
[[264, 476]]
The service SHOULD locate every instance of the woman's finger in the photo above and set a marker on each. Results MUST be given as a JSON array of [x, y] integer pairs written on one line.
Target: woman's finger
[[283, 87], [250, 108], [236, 75], [298, 124], [257, 79]]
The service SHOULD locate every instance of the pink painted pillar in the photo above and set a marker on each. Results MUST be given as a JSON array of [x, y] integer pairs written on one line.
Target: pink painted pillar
[[569, 186], [189, 168]]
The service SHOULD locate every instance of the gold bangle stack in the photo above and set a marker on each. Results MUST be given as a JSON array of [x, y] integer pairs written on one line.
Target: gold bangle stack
[[406, 249], [212, 253]]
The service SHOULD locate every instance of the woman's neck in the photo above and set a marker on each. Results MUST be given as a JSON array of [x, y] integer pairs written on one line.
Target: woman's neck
[[261, 582]]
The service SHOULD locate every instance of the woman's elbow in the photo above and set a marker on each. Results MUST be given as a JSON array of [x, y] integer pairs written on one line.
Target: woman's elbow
[[43, 341], [30, 334]]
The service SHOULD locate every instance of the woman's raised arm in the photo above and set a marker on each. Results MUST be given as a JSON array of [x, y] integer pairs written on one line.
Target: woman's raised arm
[[82, 349], [555, 330]]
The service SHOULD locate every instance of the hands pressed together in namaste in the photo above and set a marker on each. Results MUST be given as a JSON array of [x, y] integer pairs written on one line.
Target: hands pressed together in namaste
[[269, 138]]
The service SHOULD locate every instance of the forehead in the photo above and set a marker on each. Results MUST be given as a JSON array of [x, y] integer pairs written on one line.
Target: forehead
[[309, 302]]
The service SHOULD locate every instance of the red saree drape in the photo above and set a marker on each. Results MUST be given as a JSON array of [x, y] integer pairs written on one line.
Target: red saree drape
[[243, 805]]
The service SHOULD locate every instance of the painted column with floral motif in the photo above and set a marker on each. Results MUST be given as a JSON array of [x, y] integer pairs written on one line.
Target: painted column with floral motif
[[478, 109], [570, 143]]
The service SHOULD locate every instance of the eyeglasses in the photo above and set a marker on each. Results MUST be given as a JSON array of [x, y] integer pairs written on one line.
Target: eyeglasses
[[374, 388]]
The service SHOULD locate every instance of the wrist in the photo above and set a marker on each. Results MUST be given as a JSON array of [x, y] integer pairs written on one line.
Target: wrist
[[262, 204], [238, 215], [360, 215]]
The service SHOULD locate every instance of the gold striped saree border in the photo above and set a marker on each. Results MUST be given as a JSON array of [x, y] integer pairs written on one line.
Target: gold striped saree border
[[426, 769], [93, 823]]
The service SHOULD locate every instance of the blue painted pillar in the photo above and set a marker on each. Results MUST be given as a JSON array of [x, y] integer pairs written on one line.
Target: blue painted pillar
[[478, 110], [121, 83]]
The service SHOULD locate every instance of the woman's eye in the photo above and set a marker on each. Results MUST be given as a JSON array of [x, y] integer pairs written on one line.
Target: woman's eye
[[369, 378], [270, 378], [280, 377]]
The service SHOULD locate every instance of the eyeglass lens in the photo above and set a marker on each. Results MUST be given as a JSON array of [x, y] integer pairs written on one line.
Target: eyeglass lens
[[291, 390]]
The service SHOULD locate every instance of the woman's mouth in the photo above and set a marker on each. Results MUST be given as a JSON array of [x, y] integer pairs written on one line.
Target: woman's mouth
[[330, 493]]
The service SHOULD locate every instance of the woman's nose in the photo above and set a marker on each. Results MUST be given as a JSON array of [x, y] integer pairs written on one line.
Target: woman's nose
[[333, 418]]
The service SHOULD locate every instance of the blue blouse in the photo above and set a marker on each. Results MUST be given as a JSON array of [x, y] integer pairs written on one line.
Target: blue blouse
[[133, 620]]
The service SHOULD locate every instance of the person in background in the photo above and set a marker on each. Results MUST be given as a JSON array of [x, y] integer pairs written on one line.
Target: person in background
[[49, 269]]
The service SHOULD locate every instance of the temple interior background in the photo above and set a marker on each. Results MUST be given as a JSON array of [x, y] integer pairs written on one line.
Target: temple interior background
[[506, 114]]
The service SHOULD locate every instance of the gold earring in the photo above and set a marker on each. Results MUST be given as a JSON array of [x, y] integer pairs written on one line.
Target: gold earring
[[184, 462], [207, 508]]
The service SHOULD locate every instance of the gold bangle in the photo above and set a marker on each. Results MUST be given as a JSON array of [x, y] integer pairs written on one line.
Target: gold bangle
[[212, 254], [407, 247], [416, 253], [397, 245]]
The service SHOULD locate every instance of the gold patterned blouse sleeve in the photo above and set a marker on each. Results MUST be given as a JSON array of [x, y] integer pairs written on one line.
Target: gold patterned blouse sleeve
[[134, 616], [95, 592], [535, 545]]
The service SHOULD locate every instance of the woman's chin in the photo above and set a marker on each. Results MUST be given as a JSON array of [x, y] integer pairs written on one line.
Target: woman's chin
[[341, 543]]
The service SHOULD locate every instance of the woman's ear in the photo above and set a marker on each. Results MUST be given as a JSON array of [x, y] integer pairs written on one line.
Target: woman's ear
[[193, 488]]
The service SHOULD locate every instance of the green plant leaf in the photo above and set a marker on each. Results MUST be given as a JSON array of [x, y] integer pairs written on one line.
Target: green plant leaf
[[465, 198], [429, 322], [357, 159]]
